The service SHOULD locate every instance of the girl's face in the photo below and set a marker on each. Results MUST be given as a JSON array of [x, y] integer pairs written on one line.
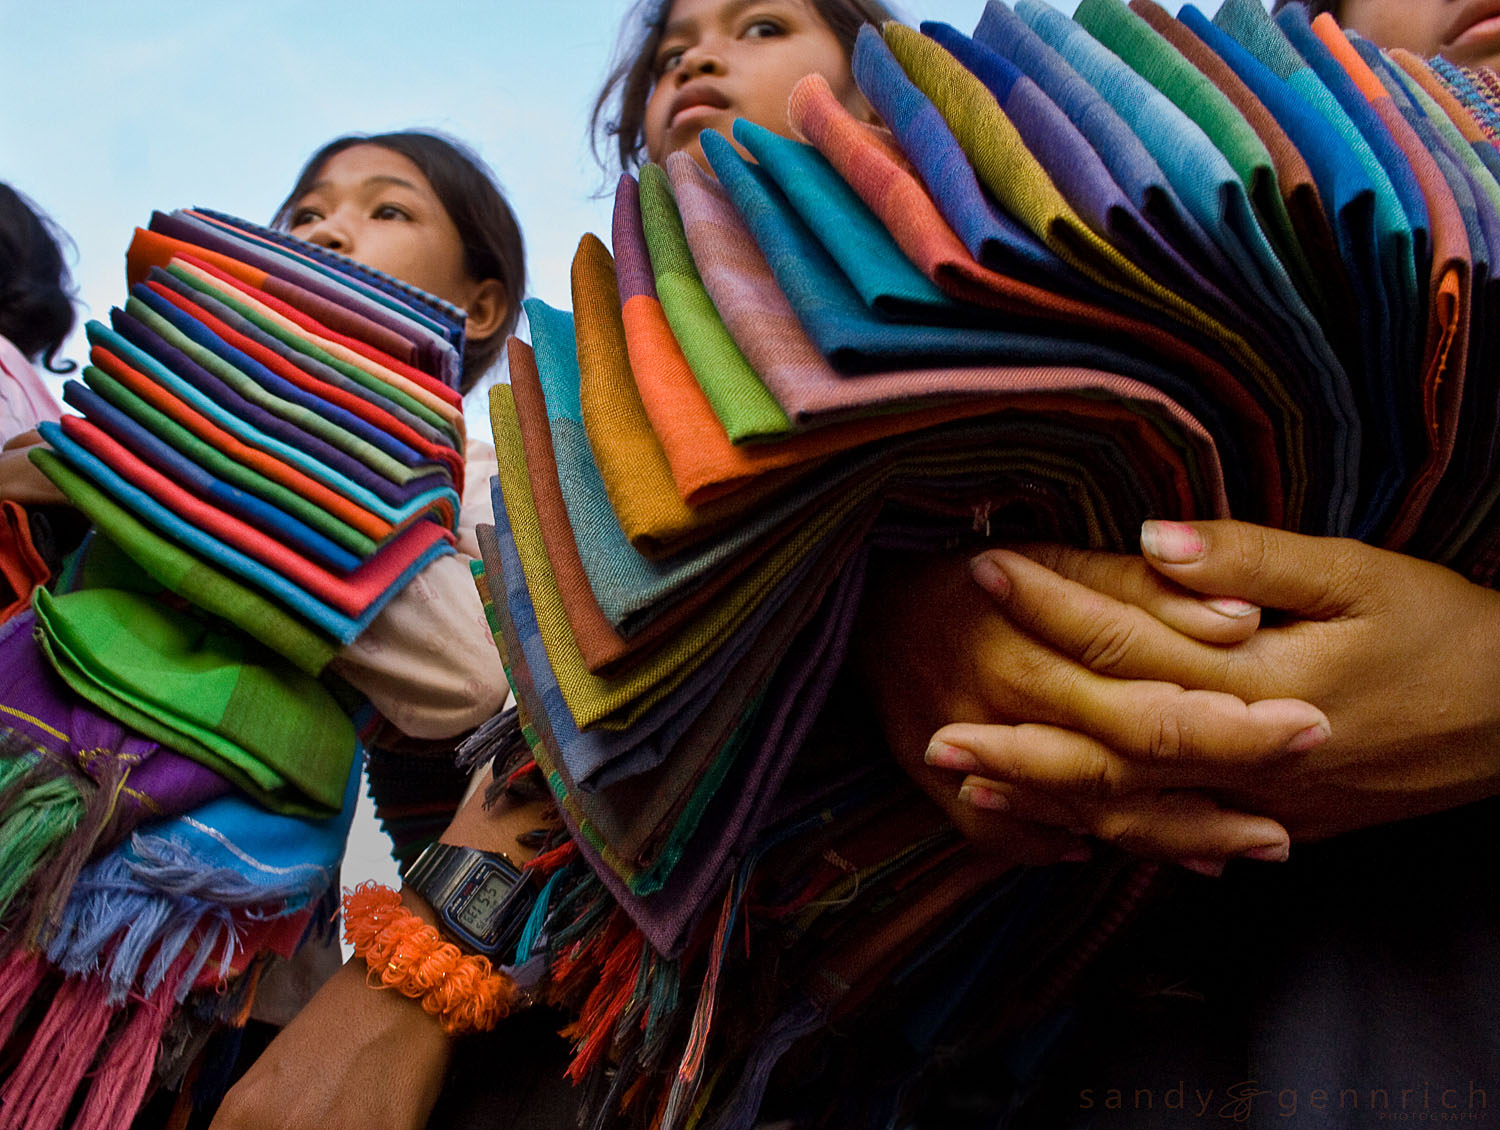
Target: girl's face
[[1464, 31], [375, 206], [724, 59]]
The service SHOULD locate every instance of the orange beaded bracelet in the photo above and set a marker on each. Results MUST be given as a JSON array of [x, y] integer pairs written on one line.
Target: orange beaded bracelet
[[463, 991]]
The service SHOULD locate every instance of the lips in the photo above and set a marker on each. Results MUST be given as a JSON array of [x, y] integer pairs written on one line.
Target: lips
[[695, 95], [1477, 21]]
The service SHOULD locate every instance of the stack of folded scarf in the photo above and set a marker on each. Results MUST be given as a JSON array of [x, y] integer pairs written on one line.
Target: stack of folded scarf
[[1087, 271], [269, 447]]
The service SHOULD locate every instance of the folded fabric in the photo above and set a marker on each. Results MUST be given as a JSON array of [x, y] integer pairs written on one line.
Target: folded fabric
[[371, 316], [397, 562], [191, 431], [912, 217], [379, 373], [353, 593], [286, 383], [143, 349], [212, 696], [392, 426], [169, 461], [200, 583], [1327, 287], [153, 330], [746, 289]]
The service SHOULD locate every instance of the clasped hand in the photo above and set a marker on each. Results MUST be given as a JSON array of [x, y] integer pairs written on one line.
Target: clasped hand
[[1148, 702]]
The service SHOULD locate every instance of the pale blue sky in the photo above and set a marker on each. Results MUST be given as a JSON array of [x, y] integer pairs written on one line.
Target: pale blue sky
[[115, 109]]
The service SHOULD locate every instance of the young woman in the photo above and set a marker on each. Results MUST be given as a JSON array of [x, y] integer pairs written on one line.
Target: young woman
[[355, 1057], [423, 209], [36, 316]]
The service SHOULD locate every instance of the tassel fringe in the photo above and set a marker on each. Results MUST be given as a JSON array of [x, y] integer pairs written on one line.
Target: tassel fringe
[[125, 1072], [42, 807], [37, 1095]]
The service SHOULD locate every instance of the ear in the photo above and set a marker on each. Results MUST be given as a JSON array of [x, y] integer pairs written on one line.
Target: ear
[[487, 310]]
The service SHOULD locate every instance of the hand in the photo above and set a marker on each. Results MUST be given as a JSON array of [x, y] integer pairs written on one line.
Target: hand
[[934, 651], [354, 1058], [1401, 654]]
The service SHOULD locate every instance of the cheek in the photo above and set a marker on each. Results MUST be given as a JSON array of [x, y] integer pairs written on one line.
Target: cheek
[[654, 123], [1413, 24]]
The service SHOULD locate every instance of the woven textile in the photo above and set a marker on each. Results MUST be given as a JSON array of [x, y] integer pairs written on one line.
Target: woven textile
[[1081, 272], [268, 448]]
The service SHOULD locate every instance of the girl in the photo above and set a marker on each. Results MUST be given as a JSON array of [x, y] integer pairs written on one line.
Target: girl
[[699, 64], [36, 316], [423, 209], [355, 1058]]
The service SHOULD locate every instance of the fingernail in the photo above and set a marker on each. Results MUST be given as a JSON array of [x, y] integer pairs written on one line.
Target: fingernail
[[1232, 606], [941, 755], [1269, 853], [989, 576], [1077, 855], [1174, 543], [984, 798], [1213, 868], [1310, 738]]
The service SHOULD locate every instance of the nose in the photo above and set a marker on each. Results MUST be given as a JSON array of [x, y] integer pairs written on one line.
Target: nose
[[702, 58], [330, 233]]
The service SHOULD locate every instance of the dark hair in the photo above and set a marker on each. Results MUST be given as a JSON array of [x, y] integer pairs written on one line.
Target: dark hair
[[468, 192], [631, 80], [36, 290], [1314, 7]]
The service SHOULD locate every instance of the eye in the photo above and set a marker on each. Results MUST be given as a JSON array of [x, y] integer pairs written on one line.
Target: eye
[[390, 212], [667, 60], [763, 29], [304, 216]]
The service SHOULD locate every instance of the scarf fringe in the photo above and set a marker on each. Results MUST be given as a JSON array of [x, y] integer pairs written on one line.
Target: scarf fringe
[[22, 973], [169, 866], [493, 741], [79, 1036], [124, 1074], [617, 986], [53, 883], [39, 1091], [40, 806], [115, 920], [742, 1107], [680, 1101]]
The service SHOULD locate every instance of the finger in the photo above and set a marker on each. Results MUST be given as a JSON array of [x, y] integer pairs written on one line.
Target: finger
[[1175, 826], [1106, 635], [1072, 768], [1130, 580], [1315, 577], [1142, 708], [1182, 739]]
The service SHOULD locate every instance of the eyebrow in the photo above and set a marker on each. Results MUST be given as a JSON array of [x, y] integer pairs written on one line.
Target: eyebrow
[[683, 26]]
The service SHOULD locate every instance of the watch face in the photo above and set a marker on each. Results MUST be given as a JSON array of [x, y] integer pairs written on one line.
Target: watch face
[[480, 901]]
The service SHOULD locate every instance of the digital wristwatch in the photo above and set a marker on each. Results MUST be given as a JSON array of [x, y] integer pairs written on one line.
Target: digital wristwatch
[[481, 897]]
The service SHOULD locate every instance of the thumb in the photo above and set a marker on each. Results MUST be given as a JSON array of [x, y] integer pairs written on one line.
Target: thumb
[[1314, 577]]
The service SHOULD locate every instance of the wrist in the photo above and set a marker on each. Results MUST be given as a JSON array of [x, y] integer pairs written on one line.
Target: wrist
[[404, 951]]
